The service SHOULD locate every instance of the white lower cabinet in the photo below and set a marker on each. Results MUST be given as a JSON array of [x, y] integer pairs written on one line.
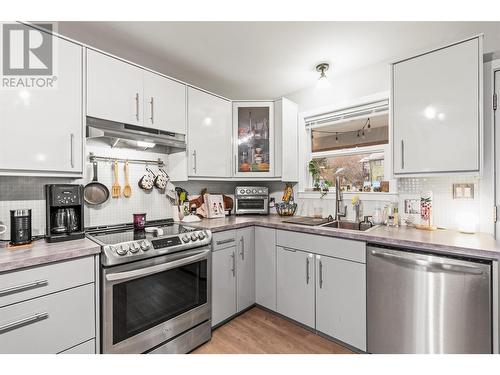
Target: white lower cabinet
[[288, 272], [49, 308], [265, 267], [295, 285], [49, 324], [245, 268], [341, 300], [87, 347], [223, 284], [233, 273]]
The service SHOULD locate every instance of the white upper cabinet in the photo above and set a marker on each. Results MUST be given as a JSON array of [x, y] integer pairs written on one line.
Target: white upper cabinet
[[253, 129], [41, 130], [114, 89], [436, 100], [122, 92], [164, 103], [209, 135], [286, 140]]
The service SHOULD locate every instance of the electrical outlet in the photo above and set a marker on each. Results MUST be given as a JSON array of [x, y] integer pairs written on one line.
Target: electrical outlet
[[463, 191]]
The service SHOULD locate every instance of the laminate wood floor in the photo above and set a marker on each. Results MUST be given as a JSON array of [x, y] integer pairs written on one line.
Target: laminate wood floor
[[258, 331]]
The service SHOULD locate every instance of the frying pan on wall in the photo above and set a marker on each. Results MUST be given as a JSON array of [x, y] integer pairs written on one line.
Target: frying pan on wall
[[95, 193]]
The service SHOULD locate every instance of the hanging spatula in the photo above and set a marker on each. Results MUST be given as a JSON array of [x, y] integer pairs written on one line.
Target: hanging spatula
[[127, 190], [116, 188]]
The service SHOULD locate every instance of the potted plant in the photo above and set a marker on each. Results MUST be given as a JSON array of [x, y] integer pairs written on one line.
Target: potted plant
[[319, 183]]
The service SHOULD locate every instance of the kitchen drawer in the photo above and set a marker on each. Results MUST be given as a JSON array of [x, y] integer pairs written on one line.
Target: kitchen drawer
[[323, 245], [65, 319], [223, 240], [87, 347], [34, 282]]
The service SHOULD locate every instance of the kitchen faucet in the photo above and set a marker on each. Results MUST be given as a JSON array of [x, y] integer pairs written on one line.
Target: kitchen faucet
[[338, 198]]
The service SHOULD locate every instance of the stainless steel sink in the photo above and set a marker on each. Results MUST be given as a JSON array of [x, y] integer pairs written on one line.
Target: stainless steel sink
[[352, 225]]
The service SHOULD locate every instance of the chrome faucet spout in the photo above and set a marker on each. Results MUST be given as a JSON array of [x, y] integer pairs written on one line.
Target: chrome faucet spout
[[338, 200]]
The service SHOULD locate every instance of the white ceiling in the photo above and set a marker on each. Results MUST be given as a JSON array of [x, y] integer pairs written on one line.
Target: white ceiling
[[265, 60]]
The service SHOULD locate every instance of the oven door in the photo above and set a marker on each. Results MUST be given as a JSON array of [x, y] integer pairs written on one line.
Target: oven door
[[148, 302], [252, 205]]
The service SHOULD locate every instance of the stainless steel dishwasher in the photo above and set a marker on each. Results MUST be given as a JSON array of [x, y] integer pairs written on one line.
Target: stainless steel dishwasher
[[421, 303]]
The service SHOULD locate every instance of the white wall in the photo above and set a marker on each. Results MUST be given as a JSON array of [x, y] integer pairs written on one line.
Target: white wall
[[368, 81]]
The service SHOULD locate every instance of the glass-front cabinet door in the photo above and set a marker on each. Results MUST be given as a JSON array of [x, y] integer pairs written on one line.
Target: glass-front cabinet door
[[254, 139]]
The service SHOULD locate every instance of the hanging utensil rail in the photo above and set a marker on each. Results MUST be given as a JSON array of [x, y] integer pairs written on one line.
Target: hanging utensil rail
[[93, 158]]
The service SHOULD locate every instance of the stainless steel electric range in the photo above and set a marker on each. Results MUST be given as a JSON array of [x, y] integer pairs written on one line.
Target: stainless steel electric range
[[155, 287]]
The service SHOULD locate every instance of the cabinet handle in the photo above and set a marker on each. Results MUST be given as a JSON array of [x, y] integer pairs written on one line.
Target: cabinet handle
[[233, 270], [222, 242], [71, 141], [152, 110], [23, 321], [235, 165], [289, 249], [137, 106], [320, 274], [194, 161], [242, 240], [18, 288], [402, 154], [307, 270]]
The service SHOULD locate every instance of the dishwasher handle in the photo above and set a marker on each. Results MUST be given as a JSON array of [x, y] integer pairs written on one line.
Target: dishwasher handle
[[436, 266]]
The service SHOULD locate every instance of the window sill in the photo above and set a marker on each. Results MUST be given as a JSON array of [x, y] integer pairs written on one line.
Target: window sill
[[364, 196]]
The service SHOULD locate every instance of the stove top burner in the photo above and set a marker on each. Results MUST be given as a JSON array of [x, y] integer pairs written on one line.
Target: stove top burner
[[122, 244]]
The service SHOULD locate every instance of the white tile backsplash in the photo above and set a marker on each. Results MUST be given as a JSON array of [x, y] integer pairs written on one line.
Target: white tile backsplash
[[446, 210], [119, 210]]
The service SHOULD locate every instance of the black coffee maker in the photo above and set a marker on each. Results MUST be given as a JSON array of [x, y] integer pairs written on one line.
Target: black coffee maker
[[64, 212]]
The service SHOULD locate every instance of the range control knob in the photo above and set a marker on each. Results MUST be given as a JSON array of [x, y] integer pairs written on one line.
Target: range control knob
[[144, 246], [242, 191], [248, 191], [194, 237], [254, 191], [201, 235], [134, 248], [185, 238], [122, 250]]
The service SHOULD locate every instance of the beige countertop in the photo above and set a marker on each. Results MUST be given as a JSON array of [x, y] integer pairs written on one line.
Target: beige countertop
[[44, 252], [478, 245]]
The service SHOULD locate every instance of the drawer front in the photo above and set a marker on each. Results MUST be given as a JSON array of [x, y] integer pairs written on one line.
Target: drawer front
[[223, 240], [34, 282], [323, 245], [48, 324], [87, 347]]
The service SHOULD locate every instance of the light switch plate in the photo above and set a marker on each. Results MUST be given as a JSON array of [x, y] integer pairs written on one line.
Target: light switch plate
[[463, 191]]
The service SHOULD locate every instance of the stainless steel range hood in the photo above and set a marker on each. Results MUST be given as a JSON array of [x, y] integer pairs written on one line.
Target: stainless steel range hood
[[120, 133]]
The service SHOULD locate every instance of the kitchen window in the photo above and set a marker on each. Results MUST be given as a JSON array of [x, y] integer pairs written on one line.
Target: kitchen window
[[352, 145]]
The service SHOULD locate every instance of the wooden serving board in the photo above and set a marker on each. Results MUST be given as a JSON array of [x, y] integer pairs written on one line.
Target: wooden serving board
[[19, 247], [425, 227]]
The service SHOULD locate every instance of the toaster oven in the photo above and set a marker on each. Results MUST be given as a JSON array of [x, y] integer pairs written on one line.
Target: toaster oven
[[251, 200]]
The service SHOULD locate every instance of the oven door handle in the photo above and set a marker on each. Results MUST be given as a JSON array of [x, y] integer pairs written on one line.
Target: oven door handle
[[121, 276]]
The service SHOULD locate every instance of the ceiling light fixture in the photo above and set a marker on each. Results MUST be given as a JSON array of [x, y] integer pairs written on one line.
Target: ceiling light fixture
[[322, 82]]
